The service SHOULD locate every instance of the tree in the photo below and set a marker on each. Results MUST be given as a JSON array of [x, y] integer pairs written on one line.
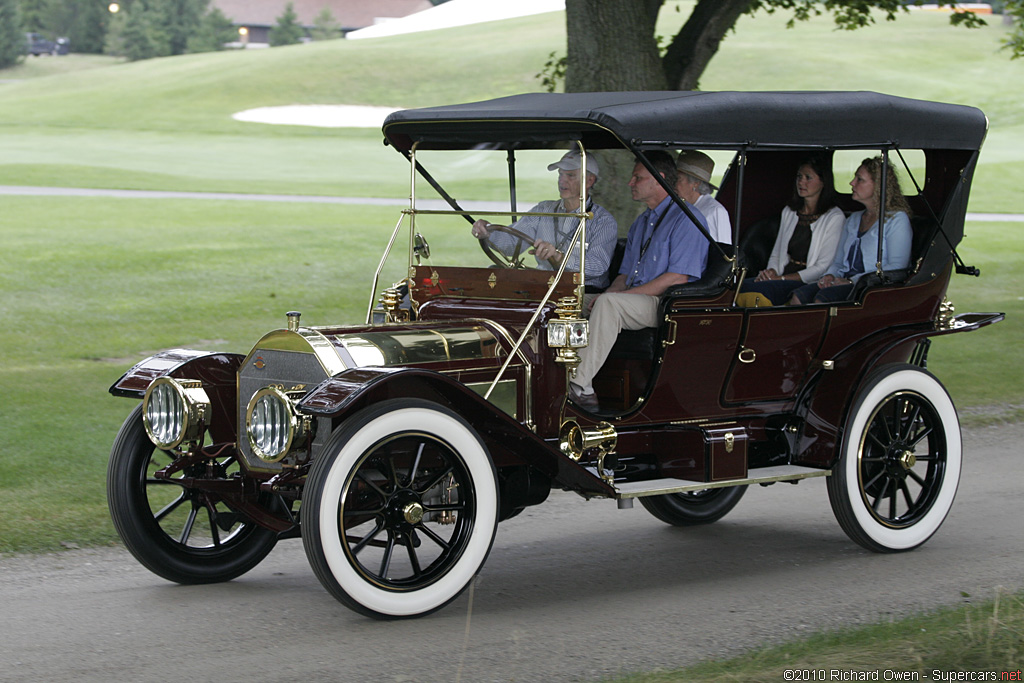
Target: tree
[[138, 39], [631, 61], [83, 23], [1015, 43], [215, 31], [34, 15], [287, 30], [179, 20], [325, 26], [612, 46], [12, 39]]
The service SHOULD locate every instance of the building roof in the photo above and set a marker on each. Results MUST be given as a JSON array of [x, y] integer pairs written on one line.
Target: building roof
[[350, 14]]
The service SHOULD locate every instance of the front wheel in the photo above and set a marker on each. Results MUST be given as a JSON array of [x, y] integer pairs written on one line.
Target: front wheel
[[400, 509], [694, 507], [899, 466], [183, 534]]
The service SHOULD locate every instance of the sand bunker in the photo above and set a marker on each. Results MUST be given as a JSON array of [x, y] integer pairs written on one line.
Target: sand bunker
[[319, 115]]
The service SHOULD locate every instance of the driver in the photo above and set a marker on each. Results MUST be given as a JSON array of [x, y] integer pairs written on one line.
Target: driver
[[552, 236]]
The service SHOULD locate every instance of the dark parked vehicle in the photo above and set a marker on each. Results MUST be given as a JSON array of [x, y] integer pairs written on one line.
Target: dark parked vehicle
[[395, 446], [39, 45]]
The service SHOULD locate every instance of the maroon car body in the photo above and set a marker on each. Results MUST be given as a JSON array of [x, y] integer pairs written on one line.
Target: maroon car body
[[395, 446]]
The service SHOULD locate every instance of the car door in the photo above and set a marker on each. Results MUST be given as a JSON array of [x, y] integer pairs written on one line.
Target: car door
[[777, 346]]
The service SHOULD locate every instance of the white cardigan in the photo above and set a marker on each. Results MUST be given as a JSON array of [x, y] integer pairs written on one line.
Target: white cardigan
[[825, 235]]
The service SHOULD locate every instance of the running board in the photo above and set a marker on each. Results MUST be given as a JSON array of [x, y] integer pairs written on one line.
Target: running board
[[763, 475]]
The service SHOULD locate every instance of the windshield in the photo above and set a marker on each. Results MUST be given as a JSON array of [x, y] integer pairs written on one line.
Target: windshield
[[497, 190]]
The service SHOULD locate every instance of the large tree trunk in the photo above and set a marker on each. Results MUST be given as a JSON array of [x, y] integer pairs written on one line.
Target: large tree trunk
[[611, 47]]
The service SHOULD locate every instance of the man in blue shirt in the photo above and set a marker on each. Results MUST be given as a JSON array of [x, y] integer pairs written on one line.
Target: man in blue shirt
[[663, 248]]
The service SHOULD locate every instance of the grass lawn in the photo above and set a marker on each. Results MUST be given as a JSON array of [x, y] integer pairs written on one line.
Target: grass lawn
[[102, 283], [91, 285], [88, 286], [166, 123], [978, 637]]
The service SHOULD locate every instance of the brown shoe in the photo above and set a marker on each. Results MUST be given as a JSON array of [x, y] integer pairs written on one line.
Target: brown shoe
[[586, 401]]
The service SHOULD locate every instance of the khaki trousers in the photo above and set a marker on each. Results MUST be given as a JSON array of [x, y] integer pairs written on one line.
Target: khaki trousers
[[611, 314]]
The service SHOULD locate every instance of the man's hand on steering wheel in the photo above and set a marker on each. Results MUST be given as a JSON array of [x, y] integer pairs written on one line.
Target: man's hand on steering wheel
[[546, 251], [480, 229]]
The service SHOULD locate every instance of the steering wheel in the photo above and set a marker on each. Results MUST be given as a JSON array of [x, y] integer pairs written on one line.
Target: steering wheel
[[498, 257]]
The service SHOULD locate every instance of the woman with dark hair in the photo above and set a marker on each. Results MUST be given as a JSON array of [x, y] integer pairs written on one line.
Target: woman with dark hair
[[809, 231], [858, 247]]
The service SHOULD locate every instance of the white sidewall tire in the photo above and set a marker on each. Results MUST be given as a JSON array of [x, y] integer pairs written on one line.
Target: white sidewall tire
[[465, 442], [907, 378]]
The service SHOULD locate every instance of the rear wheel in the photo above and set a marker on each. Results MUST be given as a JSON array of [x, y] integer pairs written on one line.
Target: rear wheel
[[899, 467], [400, 509], [694, 507], [182, 534]]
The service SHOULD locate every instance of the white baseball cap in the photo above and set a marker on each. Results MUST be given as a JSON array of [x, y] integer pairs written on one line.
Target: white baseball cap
[[570, 161]]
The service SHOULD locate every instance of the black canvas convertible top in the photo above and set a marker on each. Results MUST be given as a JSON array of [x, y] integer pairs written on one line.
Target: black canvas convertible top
[[700, 119]]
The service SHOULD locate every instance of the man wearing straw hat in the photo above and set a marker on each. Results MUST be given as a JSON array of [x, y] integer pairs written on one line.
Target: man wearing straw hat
[[695, 186]]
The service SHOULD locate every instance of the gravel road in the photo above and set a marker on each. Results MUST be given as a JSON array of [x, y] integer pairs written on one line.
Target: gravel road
[[573, 590]]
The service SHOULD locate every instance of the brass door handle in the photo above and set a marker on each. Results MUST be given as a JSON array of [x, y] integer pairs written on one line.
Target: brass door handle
[[670, 335], [747, 355]]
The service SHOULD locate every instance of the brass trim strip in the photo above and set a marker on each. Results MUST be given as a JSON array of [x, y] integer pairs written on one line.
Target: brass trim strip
[[540, 306], [453, 212], [380, 267], [527, 367]]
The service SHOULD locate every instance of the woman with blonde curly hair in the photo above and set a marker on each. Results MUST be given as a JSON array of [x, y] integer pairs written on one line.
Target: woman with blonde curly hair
[[858, 247]]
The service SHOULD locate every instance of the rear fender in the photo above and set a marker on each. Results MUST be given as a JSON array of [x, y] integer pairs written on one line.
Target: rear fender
[[508, 442], [217, 371], [830, 394]]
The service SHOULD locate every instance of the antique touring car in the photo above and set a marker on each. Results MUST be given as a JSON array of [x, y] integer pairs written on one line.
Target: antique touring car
[[395, 446]]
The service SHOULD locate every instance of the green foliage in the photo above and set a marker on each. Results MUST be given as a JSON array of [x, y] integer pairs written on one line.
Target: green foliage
[[179, 19], [12, 39], [552, 74], [1015, 41], [325, 26], [140, 38], [83, 22], [850, 15], [287, 30], [34, 14], [214, 32], [114, 39]]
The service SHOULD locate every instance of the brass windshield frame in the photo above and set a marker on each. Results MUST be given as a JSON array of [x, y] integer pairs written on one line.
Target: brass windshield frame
[[579, 238]]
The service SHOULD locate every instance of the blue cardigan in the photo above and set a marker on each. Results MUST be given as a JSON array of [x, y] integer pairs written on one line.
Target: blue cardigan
[[896, 242]]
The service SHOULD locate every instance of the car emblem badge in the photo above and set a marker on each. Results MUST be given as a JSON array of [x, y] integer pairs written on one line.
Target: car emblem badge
[[259, 363]]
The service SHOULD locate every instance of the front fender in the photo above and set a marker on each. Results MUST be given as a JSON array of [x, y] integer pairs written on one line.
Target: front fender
[[508, 442], [217, 371]]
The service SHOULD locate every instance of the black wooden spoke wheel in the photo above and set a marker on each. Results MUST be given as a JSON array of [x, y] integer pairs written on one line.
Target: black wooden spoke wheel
[[400, 510], [899, 467], [694, 507], [183, 534]]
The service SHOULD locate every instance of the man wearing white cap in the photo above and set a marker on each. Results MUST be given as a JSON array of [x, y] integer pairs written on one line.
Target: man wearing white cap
[[695, 186], [552, 236]]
